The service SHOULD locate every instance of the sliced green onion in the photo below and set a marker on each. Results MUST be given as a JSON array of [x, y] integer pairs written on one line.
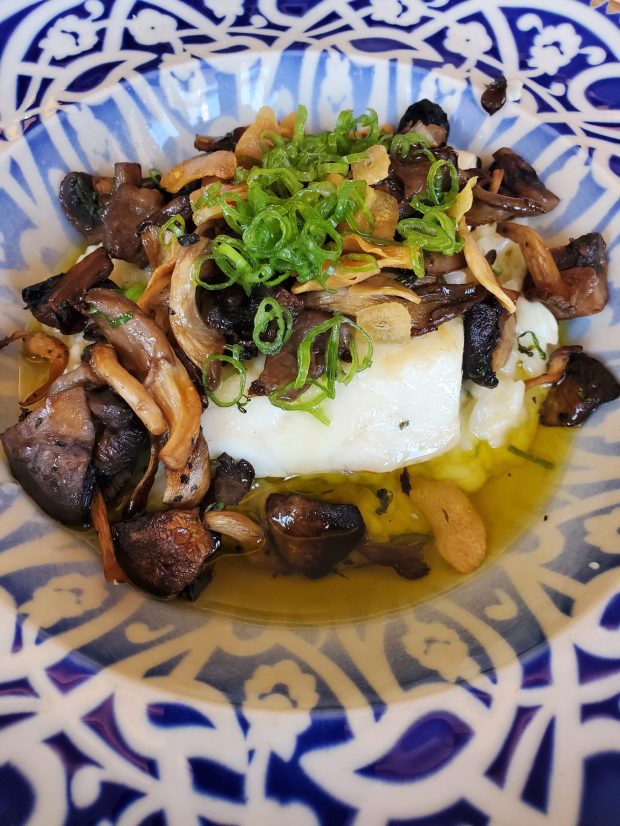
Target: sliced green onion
[[530, 457], [271, 310], [113, 321], [529, 349], [237, 366], [134, 291], [174, 227]]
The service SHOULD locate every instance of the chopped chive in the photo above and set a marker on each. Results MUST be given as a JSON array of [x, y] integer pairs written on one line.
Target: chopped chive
[[537, 460], [385, 497]]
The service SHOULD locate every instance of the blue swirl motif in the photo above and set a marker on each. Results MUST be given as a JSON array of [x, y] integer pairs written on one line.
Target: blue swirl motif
[[159, 712]]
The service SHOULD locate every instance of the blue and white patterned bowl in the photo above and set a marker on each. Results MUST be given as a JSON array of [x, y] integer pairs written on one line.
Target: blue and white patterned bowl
[[496, 702]]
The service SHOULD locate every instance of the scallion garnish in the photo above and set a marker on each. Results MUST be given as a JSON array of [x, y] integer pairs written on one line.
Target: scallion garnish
[[530, 457], [113, 321], [238, 367], [271, 310], [530, 349], [173, 228]]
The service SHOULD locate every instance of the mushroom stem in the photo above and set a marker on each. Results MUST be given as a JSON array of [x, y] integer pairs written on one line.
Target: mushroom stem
[[41, 345], [249, 535], [187, 487], [105, 365], [112, 571]]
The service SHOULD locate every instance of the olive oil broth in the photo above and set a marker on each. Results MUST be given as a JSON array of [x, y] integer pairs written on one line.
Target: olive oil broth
[[512, 499]]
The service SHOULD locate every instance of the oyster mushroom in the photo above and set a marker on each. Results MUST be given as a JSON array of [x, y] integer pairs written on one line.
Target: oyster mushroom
[[54, 301], [143, 349], [585, 385], [311, 535], [194, 337]]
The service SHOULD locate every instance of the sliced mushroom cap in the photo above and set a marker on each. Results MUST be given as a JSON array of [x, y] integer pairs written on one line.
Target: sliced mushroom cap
[[120, 439], [310, 535], [162, 553], [80, 202], [520, 179], [572, 280], [481, 325], [54, 301], [49, 453], [586, 385], [494, 96], [232, 480], [194, 337], [138, 341], [428, 119], [442, 302], [281, 369], [490, 207], [187, 487], [403, 553], [129, 206]]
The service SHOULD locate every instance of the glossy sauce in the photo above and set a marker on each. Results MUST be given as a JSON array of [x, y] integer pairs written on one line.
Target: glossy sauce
[[510, 501]]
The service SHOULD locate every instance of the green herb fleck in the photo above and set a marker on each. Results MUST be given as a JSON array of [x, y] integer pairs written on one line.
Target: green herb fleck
[[530, 349], [215, 506], [385, 497], [537, 460], [402, 425], [116, 321]]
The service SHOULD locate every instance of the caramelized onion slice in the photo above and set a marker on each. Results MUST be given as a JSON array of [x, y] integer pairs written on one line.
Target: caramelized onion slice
[[187, 487], [194, 337], [481, 269], [540, 262], [41, 345], [105, 365], [112, 571], [218, 164]]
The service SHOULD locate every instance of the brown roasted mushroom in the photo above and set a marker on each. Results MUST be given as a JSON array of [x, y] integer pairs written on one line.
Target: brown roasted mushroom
[[187, 487], [232, 480], [556, 366], [520, 179], [311, 535], [585, 385], [571, 280], [80, 202], [162, 553], [442, 302], [197, 340], [80, 376], [489, 336], [494, 96], [489, 207], [120, 439], [54, 301], [427, 119], [49, 453], [281, 369], [403, 553]]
